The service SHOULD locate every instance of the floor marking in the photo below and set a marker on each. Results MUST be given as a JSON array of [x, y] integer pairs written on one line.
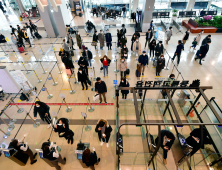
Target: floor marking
[[56, 77], [63, 104]]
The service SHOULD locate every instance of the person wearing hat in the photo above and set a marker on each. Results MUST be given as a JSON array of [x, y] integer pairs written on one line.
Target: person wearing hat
[[103, 129], [178, 51], [202, 52], [143, 61], [159, 49], [137, 47]]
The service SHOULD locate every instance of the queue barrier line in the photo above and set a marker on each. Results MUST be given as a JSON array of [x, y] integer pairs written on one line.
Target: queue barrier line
[[63, 104]]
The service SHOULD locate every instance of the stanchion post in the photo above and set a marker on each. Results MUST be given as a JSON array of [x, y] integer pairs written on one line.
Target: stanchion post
[[36, 124], [49, 95], [172, 69], [60, 72], [76, 82], [39, 81], [20, 110], [91, 109], [88, 127], [27, 72], [42, 50], [56, 56], [12, 121], [34, 55], [54, 83], [10, 127], [68, 109], [116, 70], [28, 98], [94, 79], [44, 72], [166, 68], [71, 91], [6, 135], [4, 51], [178, 75]]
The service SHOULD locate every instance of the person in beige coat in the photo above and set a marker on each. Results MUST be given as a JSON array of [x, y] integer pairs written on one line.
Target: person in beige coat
[[122, 66], [137, 47]]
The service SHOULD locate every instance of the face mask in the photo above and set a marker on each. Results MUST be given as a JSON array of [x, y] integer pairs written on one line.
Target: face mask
[[80, 72], [122, 81], [86, 50], [144, 54], [124, 47], [105, 59], [122, 61], [107, 31], [161, 57], [137, 40], [37, 106]]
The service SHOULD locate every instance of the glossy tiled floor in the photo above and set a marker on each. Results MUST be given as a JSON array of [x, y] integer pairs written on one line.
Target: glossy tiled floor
[[210, 73]]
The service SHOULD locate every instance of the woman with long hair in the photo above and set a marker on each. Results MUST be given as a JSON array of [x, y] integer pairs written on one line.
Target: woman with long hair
[[105, 62], [90, 158]]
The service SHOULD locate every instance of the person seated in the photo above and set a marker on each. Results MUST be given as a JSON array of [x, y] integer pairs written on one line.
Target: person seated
[[166, 141]]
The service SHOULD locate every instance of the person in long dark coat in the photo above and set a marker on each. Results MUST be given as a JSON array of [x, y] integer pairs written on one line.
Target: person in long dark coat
[[123, 41], [119, 35], [108, 40], [159, 49], [83, 63], [160, 65], [124, 83], [2, 38], [202, 52], [90, 158], [82, 77], [152, 47], [79, 40], [133, 39], [43, 110], [101, 38]]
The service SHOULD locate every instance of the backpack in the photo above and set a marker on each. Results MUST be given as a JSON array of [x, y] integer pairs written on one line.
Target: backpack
[[70, 30]]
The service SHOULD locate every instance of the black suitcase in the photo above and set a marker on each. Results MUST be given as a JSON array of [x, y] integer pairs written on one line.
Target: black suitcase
[[37, 35], [80, 14], [103, 17], [127, 71]]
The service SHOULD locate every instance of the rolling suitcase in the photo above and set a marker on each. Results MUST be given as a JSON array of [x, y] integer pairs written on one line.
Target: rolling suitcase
[[155, 62], [21, 49], [37, 35], [83, 47], [103, 17], [72, 53], [89, 82], [127, 71]]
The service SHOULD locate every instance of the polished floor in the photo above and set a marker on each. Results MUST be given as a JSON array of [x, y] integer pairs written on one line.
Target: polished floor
[[209, 74]]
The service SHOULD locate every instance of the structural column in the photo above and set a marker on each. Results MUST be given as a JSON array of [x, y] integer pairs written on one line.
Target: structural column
[[135, 5], [209, 4], [20, 5], [190, 5], [147, 13]]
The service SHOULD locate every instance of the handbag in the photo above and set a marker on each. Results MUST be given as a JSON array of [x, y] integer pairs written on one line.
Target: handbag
[[94, 43], [96, 97]]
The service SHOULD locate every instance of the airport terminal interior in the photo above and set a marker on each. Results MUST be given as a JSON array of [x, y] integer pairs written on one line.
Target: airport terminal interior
[[156, 105]]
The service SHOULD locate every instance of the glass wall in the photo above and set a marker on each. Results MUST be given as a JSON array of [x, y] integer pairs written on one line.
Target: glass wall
[[28, 4]]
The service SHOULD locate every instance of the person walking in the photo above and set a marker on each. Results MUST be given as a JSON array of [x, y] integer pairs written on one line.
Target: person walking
[[71, 43], [124, 83], [62, 127], [124, 11], [20, 42], [152, 47], [25, 34], [123, 41], [83, 64], [67, 60], [159, 49], [78, 40], [90, 158], [206, 39], [43, 110], [160, 65], [169, 33], [133, 39], [171, 78], [108, 37], [95, 39], [143, 61], [122, 66], [13, 30], [82, 77], [194, 43], [53, 155], [88, 56], [20, 146], [105, 62], [101, 89], [101, 38], [166, 141], [202, 52], [137, 47], [151, 25], [65, 46], [30, 29], [14, 39], [137, 34], [198, 37], [178, 51], [149, 35], [186, 36], [104, 130], [119, 35]]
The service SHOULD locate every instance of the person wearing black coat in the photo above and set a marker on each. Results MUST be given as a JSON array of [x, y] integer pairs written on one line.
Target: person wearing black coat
[[62, 127], [119, 35], [178, 51], [152, 47], [83, 64], [67, 60], [202, 52], [43, 111], [2, 38], [108, 37], [160, 65], [194, 139], [87, 55], [13, 30], [166, 141], [20, 42], [101, 89], [206, 39], [95, 39], [133, 39], [104, 130], [90, 158], [124, 49], [82, 77], [124, 83], [149, 35], [159, 49]]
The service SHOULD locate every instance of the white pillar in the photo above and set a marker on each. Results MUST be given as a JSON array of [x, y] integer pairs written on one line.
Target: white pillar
[[20, 5], [135, 5], [147, 13], [209, 4], [190, 5]]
